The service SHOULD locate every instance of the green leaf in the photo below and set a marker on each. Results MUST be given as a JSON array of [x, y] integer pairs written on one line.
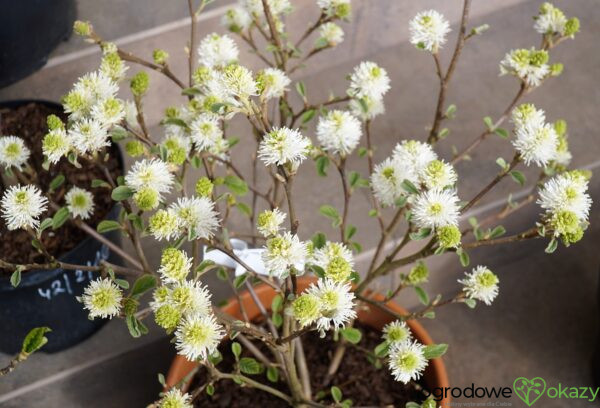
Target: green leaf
[[308, 115], [301, 89], [435, 351], [210, 389], [236, 349], [497, 232], [277, 303], [175, 121], [207, 263], [222, 274], [161, 379], [56, 182], [319, 240], [108, 225], [409, 187], [135, 326], [318, 271], [349, 232], [250, 366], [372, 213], [382, 349], [362, 151], [502, 163], [277, 319], [143, 284], [463, 257], [420, 234], [273, 374], [118, 133], [47, 223], [412, 405], [236, 185], [239, 280], [503, 133], [471, 303], [35, 339], [422, 295], [60, 217], [322, 163], [122, 283], [450, 111], [518, 177], [552, 245], [336, 393], [191, 91], [121, 193], [488, 122], [351, 334], [96, 183], [243, 208], [332, 213], [15, 278]]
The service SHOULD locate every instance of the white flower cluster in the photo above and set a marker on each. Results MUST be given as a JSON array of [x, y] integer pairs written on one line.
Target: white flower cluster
[[13, 152], [552, 21], [368, 84], [102, 298], [567, 205], [531, 66], [481, 284], [184, 306], [428, 30], [415, 163], [535, 140], [284, 147], [93, 109], [339, 132], [22, 206], [406, 356], [247, 12]]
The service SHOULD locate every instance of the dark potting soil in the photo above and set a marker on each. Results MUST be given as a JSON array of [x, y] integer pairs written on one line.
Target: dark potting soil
[[29, 123], [358, 378]]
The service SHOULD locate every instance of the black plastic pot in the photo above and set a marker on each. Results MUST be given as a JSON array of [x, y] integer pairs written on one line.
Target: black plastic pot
[[48, 298], [29, 31]]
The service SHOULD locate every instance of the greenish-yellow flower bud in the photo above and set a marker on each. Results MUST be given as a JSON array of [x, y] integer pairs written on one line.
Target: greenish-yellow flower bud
[[140, 83], [204, 187], [167, 317], [418, 274], [307, 309], [160, 56], [572, 27], [134, 148], [54, 122], [556, 69], [146, 199], [83, 28], [449, 236]]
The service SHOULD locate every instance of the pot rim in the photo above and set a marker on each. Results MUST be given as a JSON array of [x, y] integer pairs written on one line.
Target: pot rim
[[435, 373], [31, 278]]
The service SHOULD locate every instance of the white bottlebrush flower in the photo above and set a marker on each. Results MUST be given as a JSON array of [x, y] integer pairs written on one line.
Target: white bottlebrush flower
[[13, 152], [131, 114], [88, 136], [80, 202], [536, 144], [175, 265], [97, 85], [367, 108], [109, 111], [112, 65], [196, 215], [339, 132], [436, 208], [415, 154], [269, 222], [338, 8], [205, 130], [531, 66], [217, 51], [566, 192], [277, 7], [438, 174], [369, 80], [283, 252], [330, 34], [397, 333], [174, 398], [177, 147], [481, 284], [56, 145], [102, 298], [237, 81], [190, 298], [428, 30], [387, 179], [198, 336], [407, 361], [283, 146], [164, 224], [22, 205], [528, 115], [337, 304], [272, 83], [550, 20], [153, 174], [236, 19]]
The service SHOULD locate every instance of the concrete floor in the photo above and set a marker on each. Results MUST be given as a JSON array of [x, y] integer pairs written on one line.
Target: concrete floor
[[544, 321]]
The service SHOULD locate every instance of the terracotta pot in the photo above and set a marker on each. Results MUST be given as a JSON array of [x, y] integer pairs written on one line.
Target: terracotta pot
[[435, 375]]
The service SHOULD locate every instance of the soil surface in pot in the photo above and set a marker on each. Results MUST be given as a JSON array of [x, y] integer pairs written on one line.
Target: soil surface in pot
[[29, 123], [358, 379]]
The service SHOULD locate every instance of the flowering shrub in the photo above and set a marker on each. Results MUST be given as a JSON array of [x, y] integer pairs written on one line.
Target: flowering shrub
[[413, 187]]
